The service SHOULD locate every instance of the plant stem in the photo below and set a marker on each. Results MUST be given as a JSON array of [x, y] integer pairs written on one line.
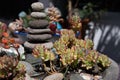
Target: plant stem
[[66, 71], [46, 69]]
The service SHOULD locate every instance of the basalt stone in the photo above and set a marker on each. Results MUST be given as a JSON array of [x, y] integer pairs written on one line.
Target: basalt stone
[[38, 15], [39, 37], [29, 45], [38, 31], [55, 76], [38, 24], [37, 6]]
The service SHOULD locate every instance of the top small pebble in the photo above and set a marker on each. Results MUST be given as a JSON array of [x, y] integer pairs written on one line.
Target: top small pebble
[[37, 6]]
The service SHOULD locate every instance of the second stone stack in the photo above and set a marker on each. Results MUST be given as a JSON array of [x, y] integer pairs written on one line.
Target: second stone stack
[[38, 31]]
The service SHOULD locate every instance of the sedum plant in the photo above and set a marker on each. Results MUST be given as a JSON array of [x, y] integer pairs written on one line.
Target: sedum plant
[[73, 53], [41, 52], [71, 49]]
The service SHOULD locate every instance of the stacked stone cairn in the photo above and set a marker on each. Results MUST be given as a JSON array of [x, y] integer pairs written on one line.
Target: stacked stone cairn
[[38, 31]]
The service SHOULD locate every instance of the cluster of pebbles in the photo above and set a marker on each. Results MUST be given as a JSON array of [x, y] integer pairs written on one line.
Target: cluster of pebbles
[[38, 31]]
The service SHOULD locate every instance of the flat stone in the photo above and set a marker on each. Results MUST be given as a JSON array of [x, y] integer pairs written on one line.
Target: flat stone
[[38, 15], [32, 60], [38, 31], [75, 77], [37, 6], [86, 76], [38, 24], [55, 76], [29, 45], [39, 37]]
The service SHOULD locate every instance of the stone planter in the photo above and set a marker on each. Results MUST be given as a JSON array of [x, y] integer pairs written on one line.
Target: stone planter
[[111, 73]]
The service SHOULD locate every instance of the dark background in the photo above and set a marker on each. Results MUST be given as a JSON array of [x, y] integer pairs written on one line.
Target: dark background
[[11, 8]]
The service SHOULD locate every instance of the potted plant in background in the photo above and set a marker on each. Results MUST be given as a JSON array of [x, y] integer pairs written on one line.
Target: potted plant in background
[[87, 12]]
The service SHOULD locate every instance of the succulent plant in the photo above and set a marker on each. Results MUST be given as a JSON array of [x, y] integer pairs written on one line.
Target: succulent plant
[[54, 14], [71, 49], [10, 67], [73, 53], [46, 55], [7, 65], [96, 61], [90, 59], [43, 53], [20, 69], [8, 41], [75, 22], [104, 60]]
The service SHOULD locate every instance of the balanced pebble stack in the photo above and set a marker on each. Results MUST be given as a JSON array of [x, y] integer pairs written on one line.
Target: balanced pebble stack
[[38, 31]]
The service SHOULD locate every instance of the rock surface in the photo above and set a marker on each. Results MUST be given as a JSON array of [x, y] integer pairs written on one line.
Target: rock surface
[[112, 72], [28, 67], [38, 31], [76, 77], [38, 24], [37, 6], [38, 15], [29, 45], [38, 37], [55, 76]]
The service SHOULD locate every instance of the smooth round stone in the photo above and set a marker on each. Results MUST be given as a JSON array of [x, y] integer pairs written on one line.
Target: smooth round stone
[[28, 67], [39, 37], [38, 15], [55, 76], [29, 45], [38, 31], [37, 6], [38, 24]]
